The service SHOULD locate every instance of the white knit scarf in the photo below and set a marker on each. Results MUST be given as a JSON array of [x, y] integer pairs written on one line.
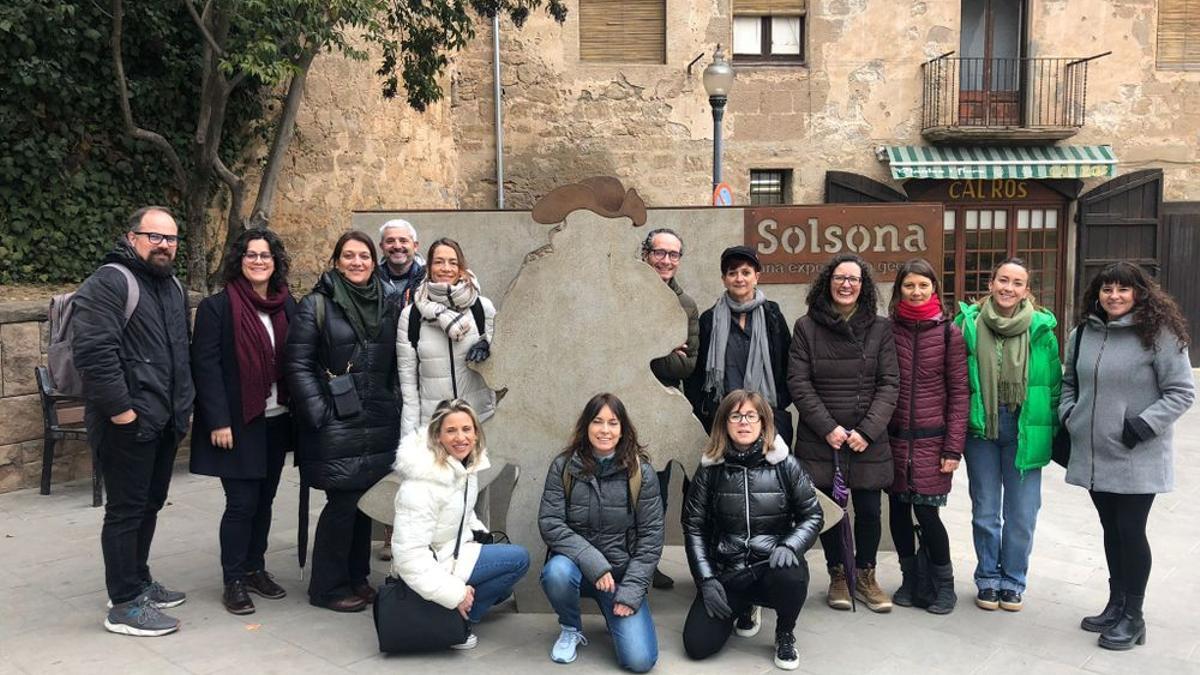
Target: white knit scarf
[[448, 304]]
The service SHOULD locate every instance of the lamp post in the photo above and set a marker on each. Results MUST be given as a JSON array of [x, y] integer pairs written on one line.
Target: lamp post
[[718, 80]]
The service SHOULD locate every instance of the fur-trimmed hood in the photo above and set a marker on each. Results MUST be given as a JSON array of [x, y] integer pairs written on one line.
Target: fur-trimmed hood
[[778, 452], [415, 461]]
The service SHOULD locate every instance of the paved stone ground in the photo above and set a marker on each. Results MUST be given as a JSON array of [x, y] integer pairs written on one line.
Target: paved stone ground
[[52, 601]]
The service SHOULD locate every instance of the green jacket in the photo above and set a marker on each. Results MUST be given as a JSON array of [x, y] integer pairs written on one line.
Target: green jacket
[[1039, 416]]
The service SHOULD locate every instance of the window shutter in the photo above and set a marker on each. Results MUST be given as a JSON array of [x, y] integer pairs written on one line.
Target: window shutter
[[623, 31], [770, 7], [1179, 34]]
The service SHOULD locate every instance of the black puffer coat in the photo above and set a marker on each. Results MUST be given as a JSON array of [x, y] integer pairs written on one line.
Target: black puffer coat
[[598, 530], [141, 364], [354, 453], [844, 373], [737, 512]]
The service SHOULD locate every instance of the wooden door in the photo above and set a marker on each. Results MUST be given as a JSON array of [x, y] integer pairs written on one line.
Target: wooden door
[[1181, 274], [1119, 220]]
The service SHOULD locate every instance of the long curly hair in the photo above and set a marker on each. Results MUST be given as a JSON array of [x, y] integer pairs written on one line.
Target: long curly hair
[[1153, 308], [628, 452], [233, 259], [819, 293]]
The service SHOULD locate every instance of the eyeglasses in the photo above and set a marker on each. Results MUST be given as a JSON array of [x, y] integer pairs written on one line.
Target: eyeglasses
[[156, 238], [748, 418], [662, 253], [839, 279], [252, 256]]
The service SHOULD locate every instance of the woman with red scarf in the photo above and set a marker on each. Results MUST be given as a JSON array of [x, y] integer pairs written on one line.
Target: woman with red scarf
[[242, 429], [928, 431]]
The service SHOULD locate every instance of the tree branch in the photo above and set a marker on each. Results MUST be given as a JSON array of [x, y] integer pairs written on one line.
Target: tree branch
[[155, 139], [237, 189], [203, 28], [285, 130]]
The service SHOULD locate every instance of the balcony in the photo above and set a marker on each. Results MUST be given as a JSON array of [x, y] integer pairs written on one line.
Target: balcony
[[1003, 100]]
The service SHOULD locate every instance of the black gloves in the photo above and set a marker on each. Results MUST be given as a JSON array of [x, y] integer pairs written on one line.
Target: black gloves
[[715, 602], [1135, 431], [480, 351], [783, 556]]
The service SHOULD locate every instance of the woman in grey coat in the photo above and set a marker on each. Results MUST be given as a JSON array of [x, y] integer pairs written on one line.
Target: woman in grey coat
[[1131, 380], [602, 521]]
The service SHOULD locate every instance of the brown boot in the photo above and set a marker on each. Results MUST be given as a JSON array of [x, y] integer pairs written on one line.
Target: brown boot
[[867, 590], [839, 592]]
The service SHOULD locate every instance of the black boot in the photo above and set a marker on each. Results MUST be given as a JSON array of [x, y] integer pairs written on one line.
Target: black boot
[[908, 582], [1111, 613], [1129, 630], [235, 599], [944, 598]]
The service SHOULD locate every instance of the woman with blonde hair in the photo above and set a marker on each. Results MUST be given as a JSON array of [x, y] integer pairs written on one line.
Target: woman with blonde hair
[[435, 517], [749, 517]]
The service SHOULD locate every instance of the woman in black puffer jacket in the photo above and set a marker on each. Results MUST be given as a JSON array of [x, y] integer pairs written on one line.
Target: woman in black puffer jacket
[[346, 326], [749, 517]]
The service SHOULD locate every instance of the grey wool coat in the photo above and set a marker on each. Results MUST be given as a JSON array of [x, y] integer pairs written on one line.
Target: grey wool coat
[[1116, 378]]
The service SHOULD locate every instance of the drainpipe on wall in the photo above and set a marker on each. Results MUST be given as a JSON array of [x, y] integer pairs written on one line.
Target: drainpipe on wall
[[498, 95]]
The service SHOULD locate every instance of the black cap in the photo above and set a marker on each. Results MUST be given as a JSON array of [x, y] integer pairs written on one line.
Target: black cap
[[734, 254]]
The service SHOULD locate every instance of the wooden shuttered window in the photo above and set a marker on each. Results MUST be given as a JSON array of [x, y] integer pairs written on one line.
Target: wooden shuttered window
[[769, 7], [623, 31], [1178, 35]]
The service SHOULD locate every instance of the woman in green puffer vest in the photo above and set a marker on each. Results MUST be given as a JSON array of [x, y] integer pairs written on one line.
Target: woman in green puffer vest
[[1015, 375]]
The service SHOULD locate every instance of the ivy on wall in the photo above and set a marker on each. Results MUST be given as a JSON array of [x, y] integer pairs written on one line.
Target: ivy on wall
[[69, 174]]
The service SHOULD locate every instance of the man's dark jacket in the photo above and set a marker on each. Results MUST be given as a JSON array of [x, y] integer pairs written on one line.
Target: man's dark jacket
[[406, 286], [142, 364]]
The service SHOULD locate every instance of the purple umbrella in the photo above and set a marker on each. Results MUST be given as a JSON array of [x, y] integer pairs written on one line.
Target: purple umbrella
[[841, 495]]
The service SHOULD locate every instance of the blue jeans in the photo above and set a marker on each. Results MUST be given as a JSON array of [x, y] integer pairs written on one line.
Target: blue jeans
[[633, 636], [1004, 507], [498, 569]]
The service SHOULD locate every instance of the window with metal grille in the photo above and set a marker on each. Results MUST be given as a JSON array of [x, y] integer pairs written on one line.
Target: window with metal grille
[[623, 31], [768, 30], [1178, 35], [770, 186]]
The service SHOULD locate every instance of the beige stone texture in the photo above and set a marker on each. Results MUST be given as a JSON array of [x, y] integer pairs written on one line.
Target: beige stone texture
[[21, 347], [650, 125], [22, 416], [569, 330]]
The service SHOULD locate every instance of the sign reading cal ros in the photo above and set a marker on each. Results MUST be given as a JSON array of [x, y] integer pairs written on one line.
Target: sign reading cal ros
[[794, 242]]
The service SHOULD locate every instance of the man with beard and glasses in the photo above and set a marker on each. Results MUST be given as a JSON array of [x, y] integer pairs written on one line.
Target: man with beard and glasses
[[138, 393], [400, 266]]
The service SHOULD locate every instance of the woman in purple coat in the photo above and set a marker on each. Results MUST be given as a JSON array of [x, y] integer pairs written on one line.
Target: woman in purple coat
[[927, 432]]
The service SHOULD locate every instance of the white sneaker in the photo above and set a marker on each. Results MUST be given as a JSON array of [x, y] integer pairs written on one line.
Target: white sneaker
[[748, 624], [564, 647], [469, 643]]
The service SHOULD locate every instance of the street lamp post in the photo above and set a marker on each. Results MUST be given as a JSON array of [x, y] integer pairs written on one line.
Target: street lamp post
[[718, 80]]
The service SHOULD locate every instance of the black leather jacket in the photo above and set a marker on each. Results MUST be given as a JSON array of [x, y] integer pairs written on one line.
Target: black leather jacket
[[353, 453], [739, 509]]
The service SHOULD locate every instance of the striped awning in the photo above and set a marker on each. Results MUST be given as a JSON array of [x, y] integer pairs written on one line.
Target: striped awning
[[1054, 161]]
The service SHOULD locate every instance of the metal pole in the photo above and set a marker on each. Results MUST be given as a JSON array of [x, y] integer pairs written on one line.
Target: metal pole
[[718, 113], [498, 95]]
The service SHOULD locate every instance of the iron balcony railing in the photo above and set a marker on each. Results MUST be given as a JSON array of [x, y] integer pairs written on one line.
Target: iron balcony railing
[[1004, 92]]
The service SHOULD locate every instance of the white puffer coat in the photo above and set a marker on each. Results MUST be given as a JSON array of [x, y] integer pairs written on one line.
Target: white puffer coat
[[429, 507], [436, 373]]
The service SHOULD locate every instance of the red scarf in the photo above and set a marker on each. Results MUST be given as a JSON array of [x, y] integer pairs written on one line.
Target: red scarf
[[260, 364], [926, 311]]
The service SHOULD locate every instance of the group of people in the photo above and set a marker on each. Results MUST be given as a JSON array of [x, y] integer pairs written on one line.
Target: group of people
[[369, 374]]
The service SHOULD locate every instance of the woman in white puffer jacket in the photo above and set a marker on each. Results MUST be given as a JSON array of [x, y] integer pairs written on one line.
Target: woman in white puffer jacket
[[449, 311], [439, 483]]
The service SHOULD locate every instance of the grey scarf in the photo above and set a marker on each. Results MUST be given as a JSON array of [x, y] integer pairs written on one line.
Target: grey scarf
[[759, 377]]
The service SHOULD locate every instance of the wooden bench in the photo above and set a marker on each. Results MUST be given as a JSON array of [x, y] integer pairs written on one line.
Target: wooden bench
[[62, 420]]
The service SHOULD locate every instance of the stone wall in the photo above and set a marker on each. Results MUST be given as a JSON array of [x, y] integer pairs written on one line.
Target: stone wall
[[24, 335]]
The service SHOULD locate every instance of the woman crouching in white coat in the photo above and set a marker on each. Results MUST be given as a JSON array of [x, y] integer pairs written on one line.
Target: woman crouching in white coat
[[439, 482], [447, 325]]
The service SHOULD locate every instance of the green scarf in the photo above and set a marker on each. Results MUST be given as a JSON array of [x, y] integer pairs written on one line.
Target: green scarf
[[1002, 352], [363, 305]]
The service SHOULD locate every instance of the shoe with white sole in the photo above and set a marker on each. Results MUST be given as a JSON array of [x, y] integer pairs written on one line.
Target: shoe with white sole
[[160, 596], [786, 656], [140, 618], [748, 624], [469, 643], [566, 645]]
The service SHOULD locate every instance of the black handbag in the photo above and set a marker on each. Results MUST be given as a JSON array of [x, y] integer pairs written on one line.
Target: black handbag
[[1060, 448], [407, 623]]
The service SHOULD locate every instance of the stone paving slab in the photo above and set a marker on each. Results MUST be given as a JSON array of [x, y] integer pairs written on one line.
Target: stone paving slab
[[52, 601]]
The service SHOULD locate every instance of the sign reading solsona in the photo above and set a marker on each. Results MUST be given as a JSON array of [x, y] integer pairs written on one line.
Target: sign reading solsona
[[793, 242]]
